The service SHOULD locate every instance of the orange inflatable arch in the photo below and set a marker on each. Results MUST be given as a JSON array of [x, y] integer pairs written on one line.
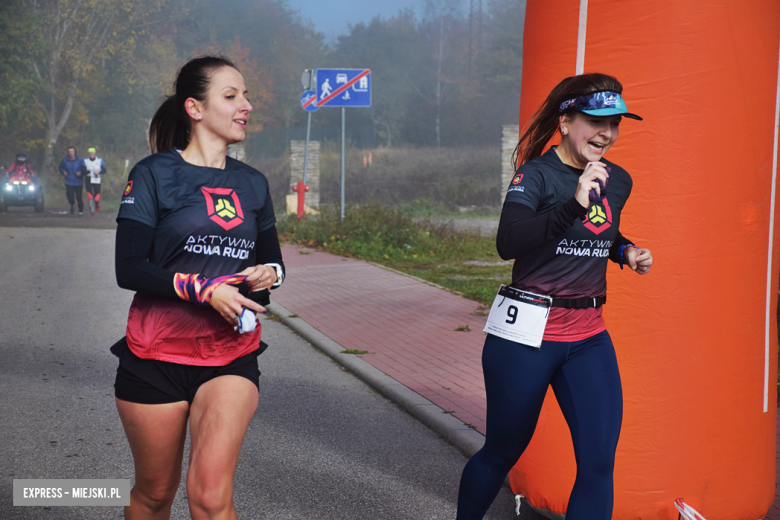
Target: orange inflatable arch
[[696, 339]]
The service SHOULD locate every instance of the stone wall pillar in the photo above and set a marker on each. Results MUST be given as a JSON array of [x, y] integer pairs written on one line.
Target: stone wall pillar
[[237, 151], [510, 134], [297, 150]]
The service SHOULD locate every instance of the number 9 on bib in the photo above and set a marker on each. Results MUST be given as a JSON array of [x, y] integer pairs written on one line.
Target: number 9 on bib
[[519, 316]]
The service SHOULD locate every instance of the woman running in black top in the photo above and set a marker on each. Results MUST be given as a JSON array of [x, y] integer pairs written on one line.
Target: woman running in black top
[[560, 223], [197, 240]]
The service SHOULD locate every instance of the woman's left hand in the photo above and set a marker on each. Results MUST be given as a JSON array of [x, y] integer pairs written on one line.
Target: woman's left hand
[[639, 259], [260, 277]]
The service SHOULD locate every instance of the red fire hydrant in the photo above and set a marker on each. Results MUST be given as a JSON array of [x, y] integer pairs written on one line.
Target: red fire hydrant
[[301, 190]]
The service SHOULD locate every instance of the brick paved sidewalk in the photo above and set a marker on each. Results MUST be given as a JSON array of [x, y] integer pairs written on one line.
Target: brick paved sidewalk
[[406, 325]]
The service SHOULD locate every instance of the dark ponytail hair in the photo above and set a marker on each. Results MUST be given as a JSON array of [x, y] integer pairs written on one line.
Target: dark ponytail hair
[[170, 126], [544, 122]]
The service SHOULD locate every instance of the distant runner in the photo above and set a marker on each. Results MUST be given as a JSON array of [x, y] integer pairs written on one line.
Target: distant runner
[[95, 168], [72, 167]]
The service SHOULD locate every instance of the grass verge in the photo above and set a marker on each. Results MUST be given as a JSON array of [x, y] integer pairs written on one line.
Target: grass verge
[[462, 262]]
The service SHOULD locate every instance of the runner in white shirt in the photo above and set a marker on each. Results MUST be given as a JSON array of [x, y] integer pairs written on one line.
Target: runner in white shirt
[[95, 168]]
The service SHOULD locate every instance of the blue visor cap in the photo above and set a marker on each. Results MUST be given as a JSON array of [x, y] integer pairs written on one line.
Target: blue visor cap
[[600, 104]]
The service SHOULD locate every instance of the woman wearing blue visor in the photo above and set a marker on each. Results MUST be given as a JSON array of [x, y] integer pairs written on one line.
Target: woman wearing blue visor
[[560, 224]]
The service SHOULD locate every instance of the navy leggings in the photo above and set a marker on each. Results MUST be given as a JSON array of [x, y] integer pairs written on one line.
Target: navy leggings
[[584, 376]]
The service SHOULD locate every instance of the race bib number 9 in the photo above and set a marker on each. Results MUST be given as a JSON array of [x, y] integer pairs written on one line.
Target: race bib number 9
[[519, 316]]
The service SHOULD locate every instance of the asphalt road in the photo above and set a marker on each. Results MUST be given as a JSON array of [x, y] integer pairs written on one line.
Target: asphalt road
[[322, 443], [57, 215]]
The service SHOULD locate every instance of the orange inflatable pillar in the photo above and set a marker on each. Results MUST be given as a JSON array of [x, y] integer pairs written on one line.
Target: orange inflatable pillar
[[696, 338]]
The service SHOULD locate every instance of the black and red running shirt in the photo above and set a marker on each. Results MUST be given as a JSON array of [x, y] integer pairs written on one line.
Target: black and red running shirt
[[572, 265], [206, 220]]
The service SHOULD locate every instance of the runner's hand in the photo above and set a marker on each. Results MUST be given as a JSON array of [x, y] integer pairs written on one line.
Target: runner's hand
[[229, 303], [587, 182], [260, 277], [638, 259]]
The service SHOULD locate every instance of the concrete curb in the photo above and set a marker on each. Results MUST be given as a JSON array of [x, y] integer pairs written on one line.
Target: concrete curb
[[466, 439]]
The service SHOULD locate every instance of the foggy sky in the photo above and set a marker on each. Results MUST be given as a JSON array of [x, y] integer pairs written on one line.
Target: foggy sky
[[333, 17]]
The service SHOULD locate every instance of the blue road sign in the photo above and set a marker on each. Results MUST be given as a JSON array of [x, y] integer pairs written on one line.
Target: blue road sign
[[309, 101], [343, 87]]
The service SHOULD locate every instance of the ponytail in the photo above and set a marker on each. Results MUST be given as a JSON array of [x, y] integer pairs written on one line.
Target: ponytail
[[170, 127], [545, 121]]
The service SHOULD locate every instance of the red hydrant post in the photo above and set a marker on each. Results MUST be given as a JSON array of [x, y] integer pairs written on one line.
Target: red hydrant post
[[301, 190]]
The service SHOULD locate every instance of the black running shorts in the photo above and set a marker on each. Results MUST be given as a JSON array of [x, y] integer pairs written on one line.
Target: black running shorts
[[149, 381]]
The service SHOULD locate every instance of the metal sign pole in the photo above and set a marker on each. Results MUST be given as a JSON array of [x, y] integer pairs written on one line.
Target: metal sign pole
[[308, 133], [343, 111], [341, 88], [306, 150]]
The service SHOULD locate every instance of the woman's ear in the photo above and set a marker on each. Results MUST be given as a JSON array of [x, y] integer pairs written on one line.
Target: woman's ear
[[563, 122], [193, 108]]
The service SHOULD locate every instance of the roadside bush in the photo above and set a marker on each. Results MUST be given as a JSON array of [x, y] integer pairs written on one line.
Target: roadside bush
[[452, 177], [430, 181], [380, 233]]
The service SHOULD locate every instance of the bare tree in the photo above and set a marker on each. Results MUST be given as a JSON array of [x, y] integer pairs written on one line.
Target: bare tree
[[438, 81], [76, 33], [437, 12]]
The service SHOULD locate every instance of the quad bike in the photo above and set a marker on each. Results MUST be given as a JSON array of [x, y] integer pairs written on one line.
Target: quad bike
[[21, 189]]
